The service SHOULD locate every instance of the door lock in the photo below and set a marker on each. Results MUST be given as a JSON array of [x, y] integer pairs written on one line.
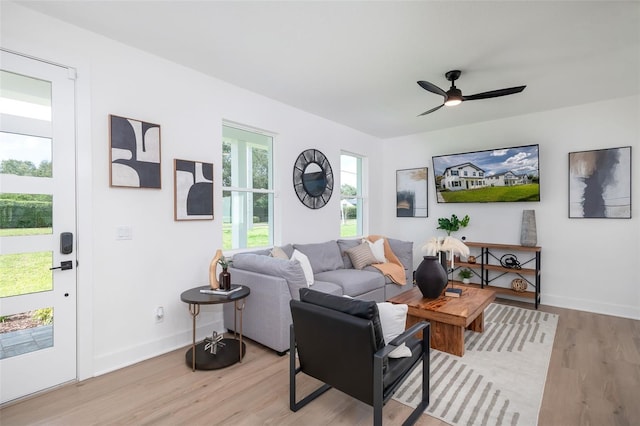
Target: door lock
[[67, 264]]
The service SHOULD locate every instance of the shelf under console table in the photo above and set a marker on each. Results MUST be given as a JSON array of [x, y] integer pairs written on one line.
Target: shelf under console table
[[491, 269]]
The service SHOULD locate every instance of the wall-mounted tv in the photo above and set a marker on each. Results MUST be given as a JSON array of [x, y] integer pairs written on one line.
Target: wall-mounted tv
[[493, 175]]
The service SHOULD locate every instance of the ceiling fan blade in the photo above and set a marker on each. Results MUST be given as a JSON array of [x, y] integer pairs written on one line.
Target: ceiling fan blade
[[431, 110], [494, 93], [432, 88]]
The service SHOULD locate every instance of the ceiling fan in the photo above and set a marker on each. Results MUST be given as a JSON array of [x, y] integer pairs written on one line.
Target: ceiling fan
[[454, 96]]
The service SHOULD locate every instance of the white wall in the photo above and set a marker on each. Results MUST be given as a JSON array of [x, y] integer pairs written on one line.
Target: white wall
[[587, 264], [122, 282]]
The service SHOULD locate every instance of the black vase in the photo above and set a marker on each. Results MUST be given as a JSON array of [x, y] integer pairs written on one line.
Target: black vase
[[225, 279], [431, 277]]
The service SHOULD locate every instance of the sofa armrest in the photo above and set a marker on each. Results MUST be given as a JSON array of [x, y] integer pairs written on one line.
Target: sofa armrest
[[266, 316]]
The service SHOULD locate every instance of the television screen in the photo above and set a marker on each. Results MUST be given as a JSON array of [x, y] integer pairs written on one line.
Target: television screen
[[494, 175]]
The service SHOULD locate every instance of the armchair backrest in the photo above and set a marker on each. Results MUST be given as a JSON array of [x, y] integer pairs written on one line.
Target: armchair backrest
[[336, 339]]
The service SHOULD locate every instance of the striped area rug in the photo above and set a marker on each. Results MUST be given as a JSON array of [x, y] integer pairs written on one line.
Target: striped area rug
[[499, 380]]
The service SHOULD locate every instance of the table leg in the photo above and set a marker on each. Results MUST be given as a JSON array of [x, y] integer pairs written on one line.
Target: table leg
[[447, 338], [238, 307], [477, 324], [194, 309]]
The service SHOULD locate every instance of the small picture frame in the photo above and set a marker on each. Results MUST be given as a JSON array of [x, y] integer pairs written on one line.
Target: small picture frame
[[193, 190], [412, 192], [134, 153], [600, 183]]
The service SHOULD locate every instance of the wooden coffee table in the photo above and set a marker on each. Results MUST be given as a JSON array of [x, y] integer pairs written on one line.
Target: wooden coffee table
[[449, 316]]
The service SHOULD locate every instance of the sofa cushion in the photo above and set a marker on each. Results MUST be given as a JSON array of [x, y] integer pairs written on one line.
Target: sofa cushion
[[361, 256], [327, 287], [323, 256], [289, 270], [404, 252], [353, 282], [345, 245], [355, 307]]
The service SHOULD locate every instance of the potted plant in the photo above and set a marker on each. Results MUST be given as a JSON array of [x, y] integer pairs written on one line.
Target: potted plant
[[465, 274], [452, 224]]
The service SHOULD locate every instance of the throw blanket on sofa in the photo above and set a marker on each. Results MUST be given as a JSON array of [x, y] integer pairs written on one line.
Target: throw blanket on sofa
[[394, 269]]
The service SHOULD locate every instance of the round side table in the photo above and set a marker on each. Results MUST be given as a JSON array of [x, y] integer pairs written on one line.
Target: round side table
[[197, 357]]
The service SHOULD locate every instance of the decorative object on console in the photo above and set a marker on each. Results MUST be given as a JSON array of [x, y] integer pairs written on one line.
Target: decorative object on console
[[431, 277], [411, 192], [465, 274], [225, 276], [510, 261], [471, 259], [528, 234], [192, 190], [213, 280], [453, 224], [134, 153], [600, 183], [488, 176], [313, 178], [518, 284]]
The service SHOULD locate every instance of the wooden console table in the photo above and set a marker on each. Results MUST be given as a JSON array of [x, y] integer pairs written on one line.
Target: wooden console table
[[490, 263]]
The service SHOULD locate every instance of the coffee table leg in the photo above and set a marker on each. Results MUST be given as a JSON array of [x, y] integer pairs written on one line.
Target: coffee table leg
[[447, 338], [477, 324]]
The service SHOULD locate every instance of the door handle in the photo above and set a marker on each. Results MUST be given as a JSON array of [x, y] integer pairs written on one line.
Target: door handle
[[67, 264]]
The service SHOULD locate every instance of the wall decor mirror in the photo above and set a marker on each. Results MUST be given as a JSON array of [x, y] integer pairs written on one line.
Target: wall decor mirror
[[313, 178]]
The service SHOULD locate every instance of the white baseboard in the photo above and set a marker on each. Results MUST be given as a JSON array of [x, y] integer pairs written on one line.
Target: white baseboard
[[149, 349]]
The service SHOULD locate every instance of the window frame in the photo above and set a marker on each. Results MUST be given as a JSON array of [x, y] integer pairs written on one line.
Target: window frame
[[242, 238], [361, 218]]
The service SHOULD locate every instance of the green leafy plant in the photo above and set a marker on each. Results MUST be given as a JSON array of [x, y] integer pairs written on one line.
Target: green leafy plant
[[45, 316], [465, 273], [453, 224], [224, 262]]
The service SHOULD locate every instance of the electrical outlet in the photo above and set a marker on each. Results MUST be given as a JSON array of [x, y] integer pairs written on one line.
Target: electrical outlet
[[159, 314]]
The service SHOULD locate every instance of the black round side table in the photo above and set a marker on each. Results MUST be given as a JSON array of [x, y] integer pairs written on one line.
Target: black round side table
[[228, 352]]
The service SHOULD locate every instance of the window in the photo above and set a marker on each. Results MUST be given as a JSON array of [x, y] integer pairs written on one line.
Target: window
[[247, 188], [454, 173], [351, 199]]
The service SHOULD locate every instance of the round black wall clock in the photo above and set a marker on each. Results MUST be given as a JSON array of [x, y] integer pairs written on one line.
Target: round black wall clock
[[313, 178]]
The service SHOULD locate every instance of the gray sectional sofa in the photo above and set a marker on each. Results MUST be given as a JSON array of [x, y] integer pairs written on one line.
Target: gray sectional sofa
[[275, 281]]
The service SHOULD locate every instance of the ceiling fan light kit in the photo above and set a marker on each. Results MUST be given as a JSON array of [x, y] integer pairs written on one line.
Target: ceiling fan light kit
[[454, 96]]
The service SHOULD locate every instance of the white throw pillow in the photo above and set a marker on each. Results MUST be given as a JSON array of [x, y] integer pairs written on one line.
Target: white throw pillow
[[305, 264], [393, 318], [377, 248]]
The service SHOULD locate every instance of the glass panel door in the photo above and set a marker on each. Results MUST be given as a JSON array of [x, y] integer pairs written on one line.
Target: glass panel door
[[37, 204]]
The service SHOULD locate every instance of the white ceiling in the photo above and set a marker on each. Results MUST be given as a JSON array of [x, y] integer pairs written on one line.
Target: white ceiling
[[357, 63]]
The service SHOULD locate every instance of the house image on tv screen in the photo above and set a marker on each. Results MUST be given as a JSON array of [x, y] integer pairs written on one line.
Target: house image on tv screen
[[470, 176]]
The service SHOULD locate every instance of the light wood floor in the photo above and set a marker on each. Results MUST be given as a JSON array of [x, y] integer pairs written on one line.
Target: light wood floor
[[593, 379]]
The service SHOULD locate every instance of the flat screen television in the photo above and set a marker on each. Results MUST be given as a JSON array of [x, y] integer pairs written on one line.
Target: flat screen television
[[494, 175]]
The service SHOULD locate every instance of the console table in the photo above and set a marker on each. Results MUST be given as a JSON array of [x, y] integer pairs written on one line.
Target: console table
[[490, 263], [230, 353]]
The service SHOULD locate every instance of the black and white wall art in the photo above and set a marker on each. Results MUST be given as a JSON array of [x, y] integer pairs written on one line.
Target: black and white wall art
[[600, 183], [411, 192], [193, 190], [135, 153]]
